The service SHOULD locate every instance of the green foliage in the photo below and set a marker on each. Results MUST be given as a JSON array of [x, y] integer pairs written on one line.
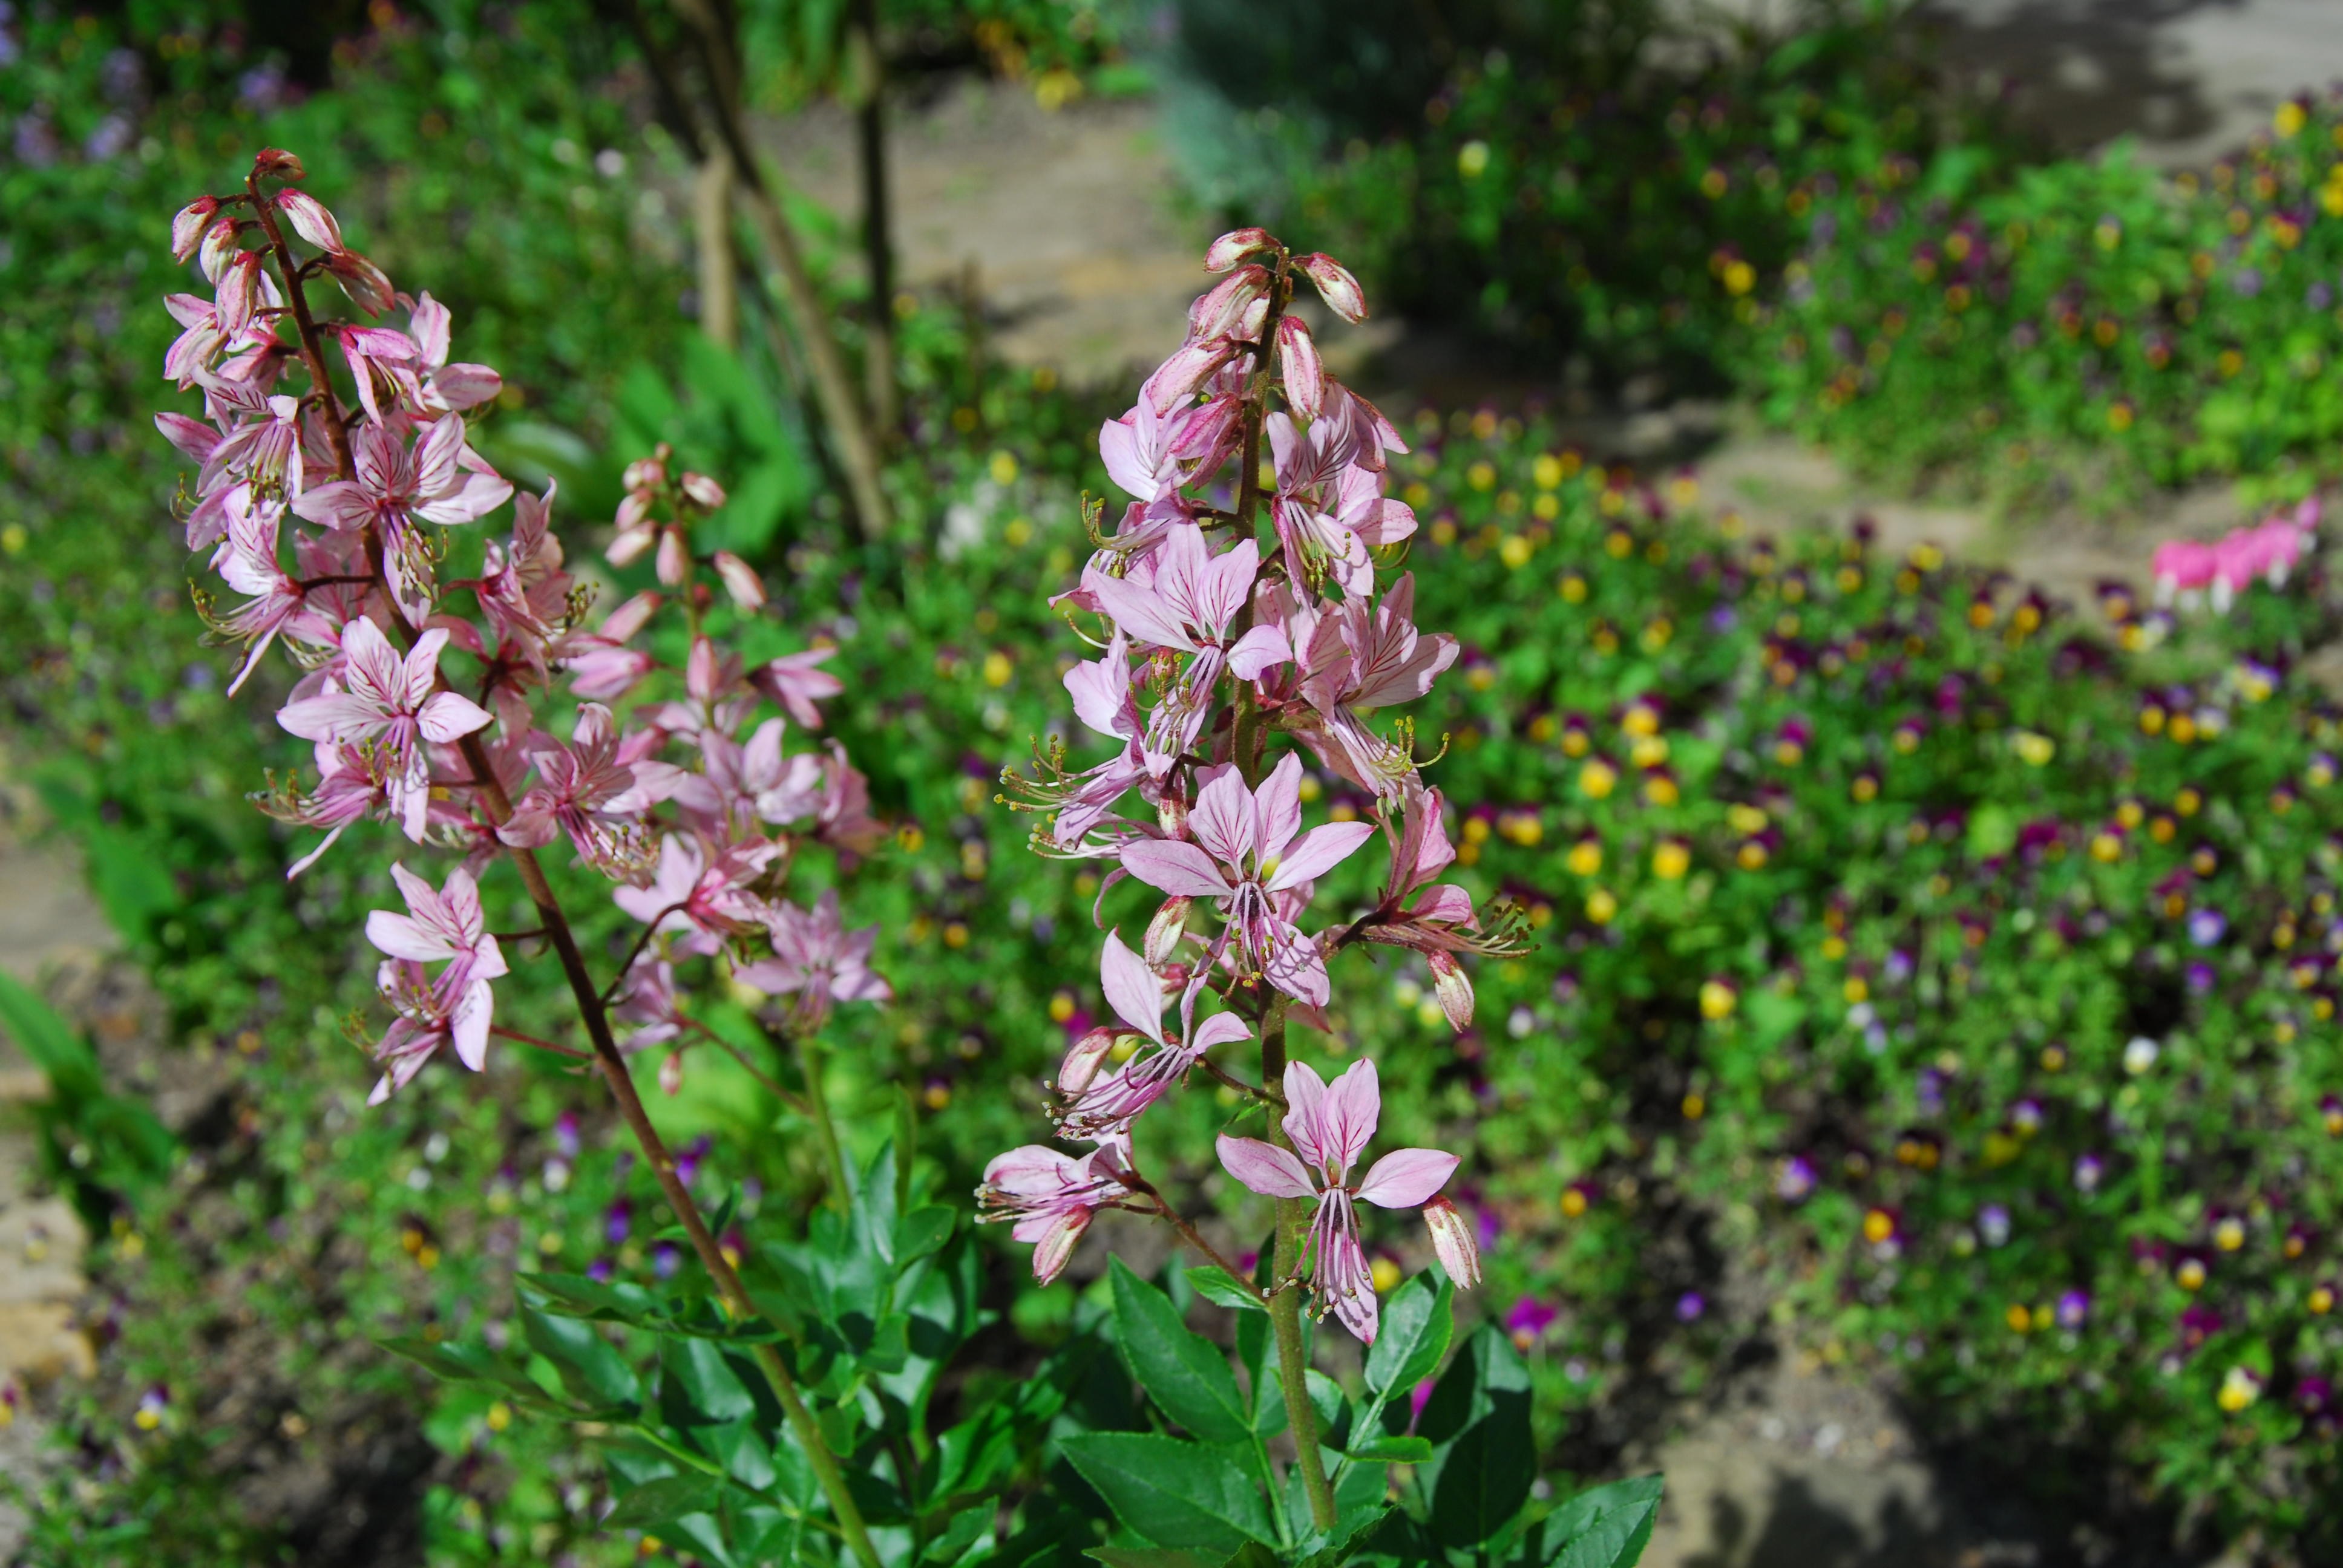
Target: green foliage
[[2102, 327], [103, 1146]]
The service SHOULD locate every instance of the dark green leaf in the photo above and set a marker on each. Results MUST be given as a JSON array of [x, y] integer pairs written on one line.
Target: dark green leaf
[[1393, 1450], [1174, 1492], [1153, 1557], [1605, 1527], [671, 1497], [1416, 1326], [1478, 1422], [1215, 1286], [1185, 1374]]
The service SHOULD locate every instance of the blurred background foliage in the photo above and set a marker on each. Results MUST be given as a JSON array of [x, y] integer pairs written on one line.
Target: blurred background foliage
[[1857, 876]]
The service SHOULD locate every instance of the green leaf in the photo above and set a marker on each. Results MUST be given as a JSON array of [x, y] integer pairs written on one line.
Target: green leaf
[[1478, 1422], [590, 1368], [1605, 1527], [470, 1364], [1152, 1557], [46, 1040], [1185, 1374], [1213, 1283], [1416, 1327], [1174, 1492], [659, 1502], [1393, 1450], [698, 1370], [921, 1232]]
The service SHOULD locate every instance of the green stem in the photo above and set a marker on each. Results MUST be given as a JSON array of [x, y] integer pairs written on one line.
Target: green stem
[[1285, 1307], [825, 1132]]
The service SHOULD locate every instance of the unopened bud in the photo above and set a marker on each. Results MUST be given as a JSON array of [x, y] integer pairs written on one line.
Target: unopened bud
[[1456, 990], [1172, 816], [1453, 1243], [188, 227], [1235, 247], [671, 1073], [674, 556], [704, 490], [629, 545], [366, 284], [239, 291], [1164, 932], [621, 624], [310, 219], [644, 473], [1336, 286], [740, 580], [218, 247], [1084, 1059], [1297, 360], [275, 163], [1219, 311]]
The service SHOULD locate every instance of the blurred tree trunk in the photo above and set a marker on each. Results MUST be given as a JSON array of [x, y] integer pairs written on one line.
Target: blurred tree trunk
[[712, 213], [867, 89]]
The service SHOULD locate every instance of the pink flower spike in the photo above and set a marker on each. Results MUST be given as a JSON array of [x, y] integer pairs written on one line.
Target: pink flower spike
[[1340, 290]]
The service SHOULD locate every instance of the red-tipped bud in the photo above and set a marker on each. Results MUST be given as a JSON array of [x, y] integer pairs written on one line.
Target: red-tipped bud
[[1298, 362], [188, 229], [239, 291], [275, 163], [703, 490], [1056, 1249], [310, 219], [1172, 816], [740, 580], [644, 473], [1084, 1059], [1454, 988], [366, 284], [1453, 1243], [674, 558], [1164, 932], [1340, 290], [671, 1073], [1235, 247], [1221, 310]]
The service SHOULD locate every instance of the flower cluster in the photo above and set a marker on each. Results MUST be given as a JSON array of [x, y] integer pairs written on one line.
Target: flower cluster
[[332, 522], [1211, 637], [2268, 550]]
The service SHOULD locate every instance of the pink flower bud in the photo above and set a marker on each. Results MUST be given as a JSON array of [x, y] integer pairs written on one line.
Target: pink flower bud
[[239, 291], [674, 558], [366, 284], [1340, 290], [310, 219], [1297, 360], [645, 474], [218, 247], [629, 544], [1219, 311], [622, 623], [1453, 1243], [1162, 938], [1084, 1059], [1235, 247], [188, 227], [671, 1073], [1454, 988], [704, 490], [278, 164], [740, 580]]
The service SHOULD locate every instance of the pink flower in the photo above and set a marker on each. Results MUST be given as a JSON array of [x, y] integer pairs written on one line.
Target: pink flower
[[702, 899], [1329, 1129], [1050, 1198], [793, 681], [392, 701], [1361, 657], [247, 563], [596, 789], [650, 1004], [1181, 595], [1330, 507], [454, 1007], [816, 960], [1105, 1106], [439, 480], [1248, 847], [442, 387]]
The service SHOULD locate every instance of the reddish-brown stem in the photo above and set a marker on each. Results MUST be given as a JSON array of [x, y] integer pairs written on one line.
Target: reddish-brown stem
[[569, 1050], [592, 1012], [1180, 1222]]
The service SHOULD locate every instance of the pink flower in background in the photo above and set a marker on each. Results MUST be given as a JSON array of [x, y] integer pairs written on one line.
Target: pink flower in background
[[390, 700], [794, 681], [1101, 1106], [1049, 1198], [1249, 845], [1329, 1129], [817, 960], [703, 900]]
